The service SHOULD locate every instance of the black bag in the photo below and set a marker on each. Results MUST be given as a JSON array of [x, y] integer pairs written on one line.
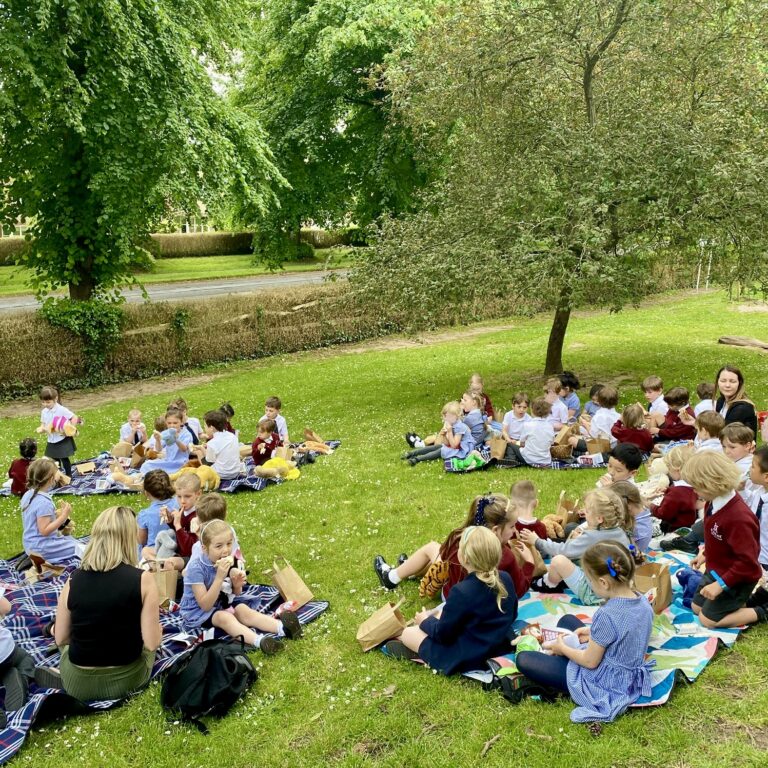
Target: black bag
[[208, 681]]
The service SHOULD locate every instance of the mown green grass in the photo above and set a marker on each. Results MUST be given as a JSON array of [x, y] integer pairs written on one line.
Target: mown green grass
[[320, 703], [13, 280]]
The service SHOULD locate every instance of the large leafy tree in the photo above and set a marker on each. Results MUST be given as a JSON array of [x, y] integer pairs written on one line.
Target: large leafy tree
[[109, 119], [590, 142], [315, 74]]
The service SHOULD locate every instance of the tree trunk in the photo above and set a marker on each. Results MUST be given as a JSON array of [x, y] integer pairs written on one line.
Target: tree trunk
[[81, 291], [554, 362]]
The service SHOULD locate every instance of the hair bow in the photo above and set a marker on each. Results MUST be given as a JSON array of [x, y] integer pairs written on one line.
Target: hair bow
[[480, 512], [611, 569]]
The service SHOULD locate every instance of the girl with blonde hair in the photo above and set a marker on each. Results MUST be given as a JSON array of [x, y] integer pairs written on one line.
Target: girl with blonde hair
[[454, 441], [476, 620], [107, 619]]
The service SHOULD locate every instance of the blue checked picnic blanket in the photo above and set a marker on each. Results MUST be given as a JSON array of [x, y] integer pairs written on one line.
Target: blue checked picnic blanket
[[33, 606], [679, 644], [97, 481]]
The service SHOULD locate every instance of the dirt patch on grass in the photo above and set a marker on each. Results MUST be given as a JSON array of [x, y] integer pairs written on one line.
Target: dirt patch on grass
[[749, 308], [727, 730]]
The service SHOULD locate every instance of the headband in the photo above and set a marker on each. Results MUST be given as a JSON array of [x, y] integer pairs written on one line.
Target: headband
[[467, 531]]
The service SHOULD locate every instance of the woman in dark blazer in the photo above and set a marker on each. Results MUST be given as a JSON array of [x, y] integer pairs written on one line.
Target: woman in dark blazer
[[731, 401]]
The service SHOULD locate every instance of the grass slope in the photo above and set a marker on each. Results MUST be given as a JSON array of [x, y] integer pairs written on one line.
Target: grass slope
[[323, 701], [13, 280]]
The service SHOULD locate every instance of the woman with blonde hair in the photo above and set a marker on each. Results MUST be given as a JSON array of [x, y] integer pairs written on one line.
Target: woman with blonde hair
[[107, 619], [477, 618]]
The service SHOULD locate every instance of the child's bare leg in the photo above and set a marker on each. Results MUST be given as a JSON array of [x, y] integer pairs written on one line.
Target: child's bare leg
[[430, 439], [257, 620], [419, 561], [736, 619], [229, 623], [412, 638], [559, 569], [148, 553]]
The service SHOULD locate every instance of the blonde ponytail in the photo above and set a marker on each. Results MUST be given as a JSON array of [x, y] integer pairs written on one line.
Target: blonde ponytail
[[480, 552]]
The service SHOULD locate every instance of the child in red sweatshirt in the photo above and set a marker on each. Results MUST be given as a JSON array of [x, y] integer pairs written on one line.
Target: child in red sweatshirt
[[673, 427], [731, 544], [679, 507], [18, 469], [631, 428]]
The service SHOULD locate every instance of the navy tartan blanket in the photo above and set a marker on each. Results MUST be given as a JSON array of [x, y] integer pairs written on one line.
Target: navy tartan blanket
[[97, 482], [34, 605], [505, 463]]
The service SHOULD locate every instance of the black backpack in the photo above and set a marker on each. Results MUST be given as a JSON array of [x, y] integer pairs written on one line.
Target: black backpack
[[208, 681]]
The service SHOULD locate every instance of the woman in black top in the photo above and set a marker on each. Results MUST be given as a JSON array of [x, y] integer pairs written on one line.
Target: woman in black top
[[107, 619], [731, 401]]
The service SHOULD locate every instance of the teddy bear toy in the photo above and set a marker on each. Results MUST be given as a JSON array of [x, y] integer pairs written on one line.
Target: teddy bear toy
[[117, 475], [60, 425], [554, 526], [652, 490], [278, 467], [209, 478]]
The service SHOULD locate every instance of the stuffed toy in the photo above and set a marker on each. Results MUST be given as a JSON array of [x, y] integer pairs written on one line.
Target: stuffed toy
[[312, 436], [652, 490], [118, 475], [526, 643], [689, 580], [168, 436], [59, 425], [278, 467], [209, 478], [473, 461], [554, 526], [314, 445]]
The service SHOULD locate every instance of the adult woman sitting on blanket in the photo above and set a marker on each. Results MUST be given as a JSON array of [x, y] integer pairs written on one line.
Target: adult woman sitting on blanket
[[107, 620]]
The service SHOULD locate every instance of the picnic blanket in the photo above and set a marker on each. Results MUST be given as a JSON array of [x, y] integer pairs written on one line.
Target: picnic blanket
[[505, 463], [679, 644], [98, 482], [34, 606]]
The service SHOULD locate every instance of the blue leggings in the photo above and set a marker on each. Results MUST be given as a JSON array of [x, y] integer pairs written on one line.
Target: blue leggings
[[548, 670]]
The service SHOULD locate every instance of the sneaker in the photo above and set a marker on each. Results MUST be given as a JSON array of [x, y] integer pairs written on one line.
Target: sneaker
[[516, 687], [382, 569], [397, 650], [291, 625], [16, 689], [269, 646], [410, 438], [539, 585], [401, 558], [413, 462], [46, 677], [678, 542], [418, 442]]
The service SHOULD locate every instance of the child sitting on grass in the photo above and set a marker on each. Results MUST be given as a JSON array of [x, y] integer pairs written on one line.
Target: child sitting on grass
[[606, 671], [133, 431], [189, 424], [173, 544], [473, 417], [591, 406], [679, 507], [709, 425], [706, 393], [19, 467], [212, 506], [537, 438], [173, 445], [523, 496], [758, 477], [494, 511], [653, 388], [673, 427], [477, 387], [455, 439], [222, 451], [607, 519], [631, 428], [265, 443], [477, 619], [149, 522], [601, 424], [558, 414], [738, 442], [272, 408], [570, 384], [731, 544], [208, 602], [515, 420]]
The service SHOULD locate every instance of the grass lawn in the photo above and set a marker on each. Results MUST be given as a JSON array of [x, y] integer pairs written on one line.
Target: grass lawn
[[13, 279], [321, 701]]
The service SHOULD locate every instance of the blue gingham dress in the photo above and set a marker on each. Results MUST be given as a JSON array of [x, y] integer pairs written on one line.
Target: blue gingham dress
[[623, 627]]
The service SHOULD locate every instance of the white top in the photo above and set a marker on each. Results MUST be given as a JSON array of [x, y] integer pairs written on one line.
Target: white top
[[222, 452], [559, 414], [280, 423], [658, 406], [601, 424], [47, 415], [704, 405], [514, 425], [710, 444], [538, 436], [194, 425]]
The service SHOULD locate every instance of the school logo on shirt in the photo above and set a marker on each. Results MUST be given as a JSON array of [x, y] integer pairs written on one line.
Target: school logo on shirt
[[715, 531]]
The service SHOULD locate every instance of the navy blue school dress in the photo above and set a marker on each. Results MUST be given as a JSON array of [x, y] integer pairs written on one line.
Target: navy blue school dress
[[471, 629]]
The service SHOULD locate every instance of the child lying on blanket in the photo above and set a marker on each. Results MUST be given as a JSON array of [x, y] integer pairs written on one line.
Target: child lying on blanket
[[213, 588], [477, 618], [607, 519], [440, 566], [607, 671]]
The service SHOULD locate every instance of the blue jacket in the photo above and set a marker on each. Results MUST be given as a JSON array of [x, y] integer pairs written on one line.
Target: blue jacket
[[471, 629]]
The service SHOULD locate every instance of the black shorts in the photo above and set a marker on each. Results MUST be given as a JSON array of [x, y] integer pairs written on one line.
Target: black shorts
[[727, 602]]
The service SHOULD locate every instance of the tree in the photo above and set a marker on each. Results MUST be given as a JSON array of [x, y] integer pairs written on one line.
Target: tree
[[590, 142], [109, 120], [315, 73]]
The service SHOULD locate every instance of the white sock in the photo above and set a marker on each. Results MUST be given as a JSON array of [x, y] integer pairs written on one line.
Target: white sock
[[418, 443], [280, 629], [257, 641], [548, 581], [393, 577]]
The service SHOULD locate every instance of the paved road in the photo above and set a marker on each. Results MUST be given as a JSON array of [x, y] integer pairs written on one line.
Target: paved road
[[194, 289]]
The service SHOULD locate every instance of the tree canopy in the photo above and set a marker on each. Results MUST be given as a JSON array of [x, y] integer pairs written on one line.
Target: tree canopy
[[585, 143], [315, 74], [109, 120]]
